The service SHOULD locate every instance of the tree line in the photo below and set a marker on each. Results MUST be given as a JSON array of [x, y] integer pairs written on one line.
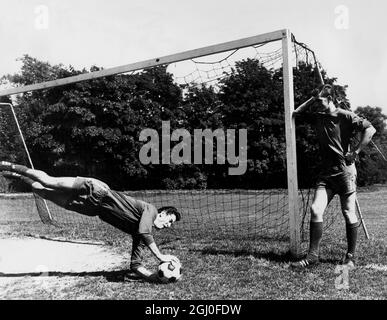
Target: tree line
[[92, 128]]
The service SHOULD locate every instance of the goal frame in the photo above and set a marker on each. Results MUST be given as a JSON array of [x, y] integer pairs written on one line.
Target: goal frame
[[46, 218], [283, 35]]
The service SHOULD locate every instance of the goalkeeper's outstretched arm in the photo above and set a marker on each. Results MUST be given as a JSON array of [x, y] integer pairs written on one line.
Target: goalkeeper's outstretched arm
[[136, 266], [138, 246], [161, 257]]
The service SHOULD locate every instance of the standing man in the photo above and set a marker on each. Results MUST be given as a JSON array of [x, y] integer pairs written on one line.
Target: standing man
[[335, 128]]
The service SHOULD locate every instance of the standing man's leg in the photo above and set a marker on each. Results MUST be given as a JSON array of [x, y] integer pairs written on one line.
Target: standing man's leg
[[348, 208], [322, 198], [348, 196]]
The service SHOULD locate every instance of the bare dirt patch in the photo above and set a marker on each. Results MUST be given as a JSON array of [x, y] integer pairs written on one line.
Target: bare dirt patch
[[30, 256], [31, 268]]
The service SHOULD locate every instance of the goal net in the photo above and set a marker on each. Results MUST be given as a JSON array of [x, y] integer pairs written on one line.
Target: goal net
[[249, 84]]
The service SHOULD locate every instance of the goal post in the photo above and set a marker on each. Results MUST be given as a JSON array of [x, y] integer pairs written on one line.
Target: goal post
[[291, 155], [275, 212], [41, 204]]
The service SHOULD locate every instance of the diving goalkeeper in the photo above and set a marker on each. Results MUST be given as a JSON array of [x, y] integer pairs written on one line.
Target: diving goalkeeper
[[92, 197]]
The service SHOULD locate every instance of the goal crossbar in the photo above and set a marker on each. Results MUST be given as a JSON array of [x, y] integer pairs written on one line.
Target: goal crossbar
[[214, 49]]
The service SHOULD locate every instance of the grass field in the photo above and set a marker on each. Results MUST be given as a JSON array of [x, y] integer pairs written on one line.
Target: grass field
[[215, 266]]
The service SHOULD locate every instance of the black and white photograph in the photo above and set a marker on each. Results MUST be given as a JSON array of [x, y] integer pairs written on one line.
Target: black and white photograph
[[192, 155]]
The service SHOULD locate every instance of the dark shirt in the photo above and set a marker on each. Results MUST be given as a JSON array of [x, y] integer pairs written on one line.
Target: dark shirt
[[334, 132], [132, 216], [93, 197]]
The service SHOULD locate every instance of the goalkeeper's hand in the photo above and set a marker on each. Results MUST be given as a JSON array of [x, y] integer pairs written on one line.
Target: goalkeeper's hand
[[168, 258], [316, 93], [351, 157]]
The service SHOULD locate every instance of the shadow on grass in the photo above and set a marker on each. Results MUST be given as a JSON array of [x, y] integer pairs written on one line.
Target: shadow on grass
[[271, 256], [277, 257], [111, 276]]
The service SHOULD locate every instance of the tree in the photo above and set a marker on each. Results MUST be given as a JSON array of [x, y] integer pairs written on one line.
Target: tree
[[251, 98], [93, 127]]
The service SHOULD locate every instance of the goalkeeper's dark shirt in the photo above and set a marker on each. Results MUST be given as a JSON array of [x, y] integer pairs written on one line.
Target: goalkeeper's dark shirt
[[334, 132], [132, 216], [93, 197]]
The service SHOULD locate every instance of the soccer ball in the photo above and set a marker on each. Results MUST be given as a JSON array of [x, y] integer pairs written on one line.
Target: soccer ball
[[169, 271]]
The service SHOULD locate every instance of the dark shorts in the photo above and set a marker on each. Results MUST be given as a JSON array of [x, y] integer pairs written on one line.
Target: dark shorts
[[87, 196], [93, 197], [341, 180]]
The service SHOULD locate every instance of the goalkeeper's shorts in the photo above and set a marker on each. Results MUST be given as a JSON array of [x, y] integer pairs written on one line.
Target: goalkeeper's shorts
[[87, 196], [342, 182]]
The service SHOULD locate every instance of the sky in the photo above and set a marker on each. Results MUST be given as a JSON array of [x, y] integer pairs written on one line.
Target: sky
[[348, 36]]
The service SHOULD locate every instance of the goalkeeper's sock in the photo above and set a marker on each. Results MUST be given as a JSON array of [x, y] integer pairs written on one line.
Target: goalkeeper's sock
[[351, 229], [312, 256], [8, 166], [5, 166], [19, 168], [10, 175], [14, 175], [316, 231]]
